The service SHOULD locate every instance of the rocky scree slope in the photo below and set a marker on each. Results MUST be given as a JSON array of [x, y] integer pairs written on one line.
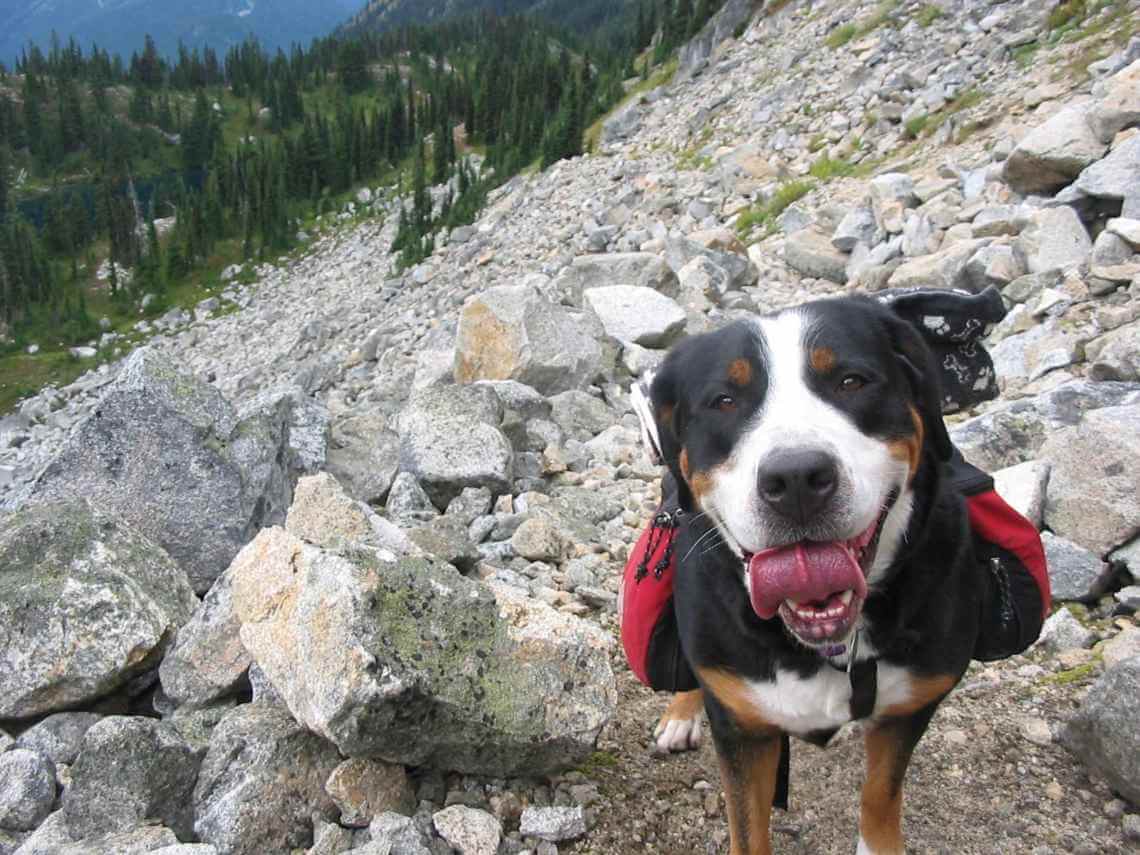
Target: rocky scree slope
[[405, 501]]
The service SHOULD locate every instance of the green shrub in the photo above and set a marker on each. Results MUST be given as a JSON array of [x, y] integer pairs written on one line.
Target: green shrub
[[1069, 13], [825, 168], [763, 214], [916, 126], [840, 36]]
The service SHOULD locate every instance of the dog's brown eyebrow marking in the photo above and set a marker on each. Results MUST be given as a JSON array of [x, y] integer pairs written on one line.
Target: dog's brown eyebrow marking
[[740, 372], [683, 462], [822, 359]]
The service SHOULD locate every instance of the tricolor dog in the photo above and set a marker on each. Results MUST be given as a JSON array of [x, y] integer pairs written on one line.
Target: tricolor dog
[[825, 569]]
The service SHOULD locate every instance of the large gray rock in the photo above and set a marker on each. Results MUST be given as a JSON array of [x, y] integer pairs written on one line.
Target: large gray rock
[[1054, 238], [1054, 153], [1115, 177], [513, 333], [128, 771], [167, 454], [410, 662], [643, 269], [1094, 486], [59, 736], [1105, 732], [946, 268], [322, 513], [636, 315], [27, 789], [857, 226], [207, 662], [1073, 571], [1014, 432], [1115, 355], [812, 254], [679, 251], [450, 439], [262, 782], [1119, 105], [580, 415], [133, 841], [86, 604], [364, 455]]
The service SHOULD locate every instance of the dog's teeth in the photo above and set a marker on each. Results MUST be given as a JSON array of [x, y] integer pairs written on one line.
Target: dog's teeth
[[846, 596]]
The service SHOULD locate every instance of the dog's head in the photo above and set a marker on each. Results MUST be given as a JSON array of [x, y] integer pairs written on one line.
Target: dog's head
[[800, 435]]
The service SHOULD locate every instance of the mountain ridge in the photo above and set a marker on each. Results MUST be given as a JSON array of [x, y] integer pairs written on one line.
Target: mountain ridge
[[119, 26]]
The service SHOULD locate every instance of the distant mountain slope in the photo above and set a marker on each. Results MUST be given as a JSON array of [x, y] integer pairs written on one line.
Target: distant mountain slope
[[581, 16], [120, 25]]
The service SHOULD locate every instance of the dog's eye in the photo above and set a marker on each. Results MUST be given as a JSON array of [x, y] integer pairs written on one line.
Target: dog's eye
[[724, 403], [852, 383]]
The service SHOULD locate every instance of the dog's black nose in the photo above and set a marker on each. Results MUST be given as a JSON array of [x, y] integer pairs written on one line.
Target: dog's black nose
[[797, 484]]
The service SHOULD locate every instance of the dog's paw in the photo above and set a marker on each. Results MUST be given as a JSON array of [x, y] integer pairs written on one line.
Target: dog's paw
[[678, 734], [680, 726]]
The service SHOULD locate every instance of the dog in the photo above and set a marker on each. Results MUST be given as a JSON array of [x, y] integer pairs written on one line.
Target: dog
[[825, 569]]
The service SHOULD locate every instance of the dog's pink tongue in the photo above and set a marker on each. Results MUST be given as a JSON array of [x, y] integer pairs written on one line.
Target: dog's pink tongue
[[803, 573]]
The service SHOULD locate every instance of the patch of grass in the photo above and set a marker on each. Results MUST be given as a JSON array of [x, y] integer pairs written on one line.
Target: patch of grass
[[598, 761], [1024, 54], [22, 375], [840, 36], [1068, 14], [763, 215], [1074, 675], [825, 168], [916, 125], [776, 6], [928, 14]]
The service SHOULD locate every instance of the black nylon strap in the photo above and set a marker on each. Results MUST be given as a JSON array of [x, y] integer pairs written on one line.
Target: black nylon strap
[[783, 774], [864, 678]]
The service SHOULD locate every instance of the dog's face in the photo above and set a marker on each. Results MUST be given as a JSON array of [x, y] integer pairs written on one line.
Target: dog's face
[[799, 434]]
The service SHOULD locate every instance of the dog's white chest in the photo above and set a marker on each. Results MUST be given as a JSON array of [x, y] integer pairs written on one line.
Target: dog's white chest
[[822, 701]]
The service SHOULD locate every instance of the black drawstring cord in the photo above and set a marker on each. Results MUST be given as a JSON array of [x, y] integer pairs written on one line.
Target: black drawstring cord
[[663, 526]]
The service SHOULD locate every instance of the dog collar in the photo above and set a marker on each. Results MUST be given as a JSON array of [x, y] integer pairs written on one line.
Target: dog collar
[[863, 676]]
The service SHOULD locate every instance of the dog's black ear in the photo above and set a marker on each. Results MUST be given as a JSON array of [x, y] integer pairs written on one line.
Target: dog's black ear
[[917, 361], [656, 400]]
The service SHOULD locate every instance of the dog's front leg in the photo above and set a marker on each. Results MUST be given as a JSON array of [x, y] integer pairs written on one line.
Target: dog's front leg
[[748, 767], [889, 743]]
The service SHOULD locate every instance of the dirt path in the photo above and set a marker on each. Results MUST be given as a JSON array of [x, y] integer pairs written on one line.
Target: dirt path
[[978, 784]]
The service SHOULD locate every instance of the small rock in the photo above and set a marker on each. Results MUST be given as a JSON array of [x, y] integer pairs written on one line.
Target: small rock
[[1037, 731], [27, 789], [1073, 571], [59, 736], [1062, 631], [131, 769], [469, 830], [1125, 645], [554, 824], [364, 788]]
